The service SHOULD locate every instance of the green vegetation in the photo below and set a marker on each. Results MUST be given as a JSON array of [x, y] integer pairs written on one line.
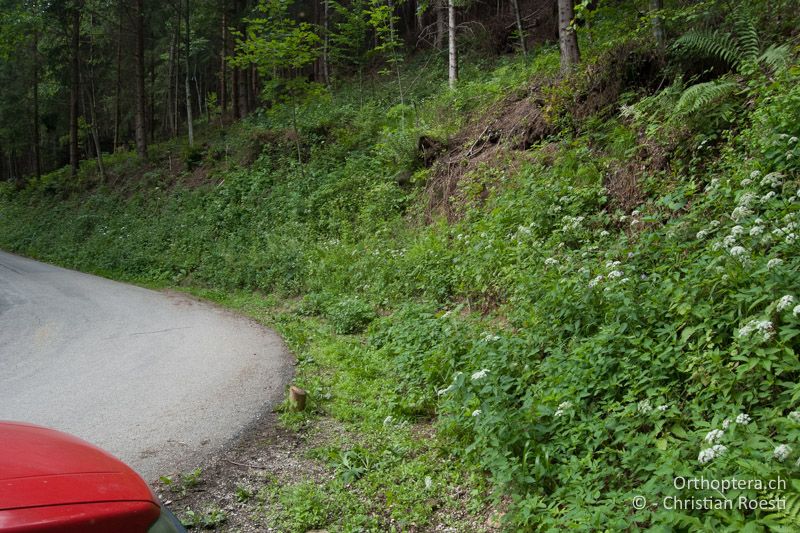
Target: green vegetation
[[589, 289]]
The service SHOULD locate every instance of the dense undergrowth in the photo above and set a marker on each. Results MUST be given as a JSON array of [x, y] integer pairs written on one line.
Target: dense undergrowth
[[579, 349]]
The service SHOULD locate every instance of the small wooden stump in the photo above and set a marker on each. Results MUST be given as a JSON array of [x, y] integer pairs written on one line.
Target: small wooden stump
[[297, 398]]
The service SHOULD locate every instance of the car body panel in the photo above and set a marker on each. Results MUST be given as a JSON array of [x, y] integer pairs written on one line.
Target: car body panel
[[105, 517], [51, 481]]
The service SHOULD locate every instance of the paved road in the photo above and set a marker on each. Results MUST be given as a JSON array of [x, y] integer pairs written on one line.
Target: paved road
[[157, 379]]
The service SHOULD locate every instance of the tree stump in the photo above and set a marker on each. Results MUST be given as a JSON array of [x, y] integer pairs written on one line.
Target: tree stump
[[297, 398]]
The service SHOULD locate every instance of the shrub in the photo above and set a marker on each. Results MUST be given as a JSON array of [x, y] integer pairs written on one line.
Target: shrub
[[350, 315]]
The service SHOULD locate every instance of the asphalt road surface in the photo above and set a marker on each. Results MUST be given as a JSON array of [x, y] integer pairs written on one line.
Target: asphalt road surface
[[158, 379]]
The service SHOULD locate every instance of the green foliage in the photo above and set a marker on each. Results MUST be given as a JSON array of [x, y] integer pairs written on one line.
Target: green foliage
[[701, 97], [210, 518], [350, 315]]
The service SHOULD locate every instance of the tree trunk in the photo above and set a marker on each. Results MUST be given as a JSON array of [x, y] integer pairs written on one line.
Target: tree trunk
[[141, 108], [451, 33], [37, 155], [658, 24], [441, 25], [223, 74], [244, 88], [92, 105], [75, 87], [325, 45], [520, 30], [118, 84], [169, 122], [237, 113], [188, 87], [567, 38]]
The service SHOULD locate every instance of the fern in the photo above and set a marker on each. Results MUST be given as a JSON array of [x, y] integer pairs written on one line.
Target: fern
[[740, 50], [787, 519], [703, 96], [775, 57], [746, 37], [711, 44]]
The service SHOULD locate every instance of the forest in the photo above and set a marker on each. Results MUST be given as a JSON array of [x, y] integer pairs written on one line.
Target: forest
[[81, 78], [537, 259]]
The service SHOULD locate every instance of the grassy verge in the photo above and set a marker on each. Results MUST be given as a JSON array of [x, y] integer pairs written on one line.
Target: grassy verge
[[358, 467]]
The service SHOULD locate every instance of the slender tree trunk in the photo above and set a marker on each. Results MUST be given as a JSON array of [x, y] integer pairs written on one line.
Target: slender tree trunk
[[197, 91], [223, 67], [325, 44], [37, 156], [243, 90], [75, 87], [237, 113], [252, 93], [141, 108], [441, 24], [92, 105], [567, 38], [451, 33], [188, 88], [658, 23], [175, 83], [169, 123], [118, 84], [520, 30]]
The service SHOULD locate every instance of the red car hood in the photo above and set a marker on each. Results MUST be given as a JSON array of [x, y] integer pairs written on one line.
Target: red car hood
[[42, 467]]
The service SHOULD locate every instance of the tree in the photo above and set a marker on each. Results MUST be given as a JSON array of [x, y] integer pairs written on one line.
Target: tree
[[74, 86], [141, 137], [186, 55], [658, 24], [280, 48], [452, 71], [567, 38], [382, 19], [520, 29]]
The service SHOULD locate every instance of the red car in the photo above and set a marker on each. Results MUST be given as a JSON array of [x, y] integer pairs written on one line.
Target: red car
[[54, 482]]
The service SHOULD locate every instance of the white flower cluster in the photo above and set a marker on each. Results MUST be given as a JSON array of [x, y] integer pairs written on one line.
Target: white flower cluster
[[796, 310], [743, 419], [490, 337], [738, 252], [714, 436], [794, 416], [741, 212], [562, 409], [709, 454], [595, 281], [782, 452], [571, 223], [773, 180], [764, 327], [550, 261], [663, 407], [785, 303], [774, 262], [476, 412]]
